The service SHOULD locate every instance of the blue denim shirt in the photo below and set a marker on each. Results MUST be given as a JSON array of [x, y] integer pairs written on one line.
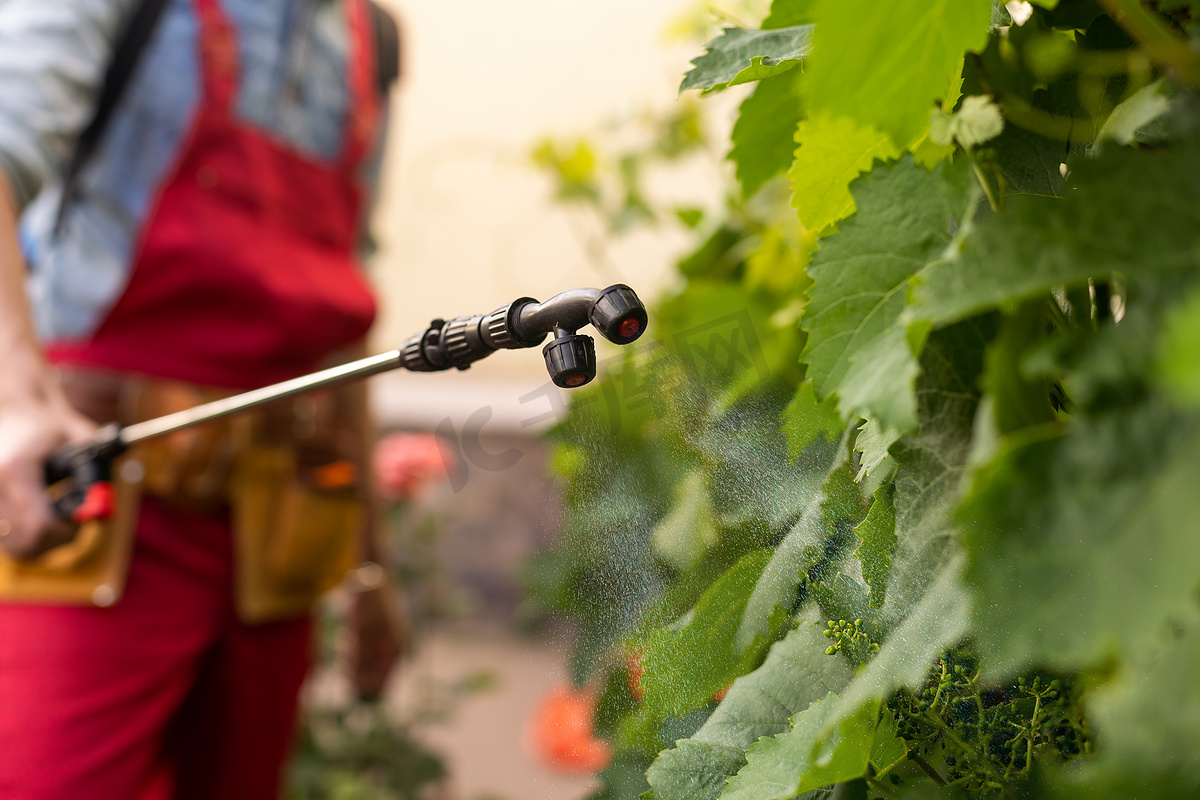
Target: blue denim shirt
[[53, 57]]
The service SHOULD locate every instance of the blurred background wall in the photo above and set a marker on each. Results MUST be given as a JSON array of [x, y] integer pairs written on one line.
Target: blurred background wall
[[464, 223]]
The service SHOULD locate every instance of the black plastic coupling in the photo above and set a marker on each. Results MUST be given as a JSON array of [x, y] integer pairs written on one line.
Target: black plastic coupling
[[571, 360], [422, 351], [502, 328], [461, 343]]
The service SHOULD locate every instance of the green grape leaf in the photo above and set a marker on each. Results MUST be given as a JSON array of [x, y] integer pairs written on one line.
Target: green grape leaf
[[1026, 162], [684, 668], [689, 530], [842, 503], [624, 777], [740, 56], [694, 770], [937, 622], [612, 507], [1096, 229], [925, 151], [786, 13], [832, 152], [712, 256], [979, 120], [1000, 14], [1179, 352], [885, 64], [928, 154], [777, 266], [1017, 401], [803, 758], [806, 545], [1136, 112], [763, 134], [889, 749], [801, 549], [931, 462], [1094, 524], [752, 479], [873, 442], [795, 673], [805, 419], [877, 537], [879, 379], [907, 217], [1147, 724]]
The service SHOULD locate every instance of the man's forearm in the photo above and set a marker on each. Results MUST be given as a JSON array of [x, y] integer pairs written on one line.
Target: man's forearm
[[35, 417], [25, 370]]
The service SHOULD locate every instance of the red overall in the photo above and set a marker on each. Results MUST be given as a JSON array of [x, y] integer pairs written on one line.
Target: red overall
[[244, 276]]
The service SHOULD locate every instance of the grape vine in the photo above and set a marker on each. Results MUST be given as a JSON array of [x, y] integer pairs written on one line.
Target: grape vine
[[912, 460]]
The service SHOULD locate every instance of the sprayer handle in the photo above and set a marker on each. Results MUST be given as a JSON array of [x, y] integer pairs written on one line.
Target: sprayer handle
[[89, 469]]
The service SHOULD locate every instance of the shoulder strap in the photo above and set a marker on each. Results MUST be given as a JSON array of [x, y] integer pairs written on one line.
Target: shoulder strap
[[128, 51], [125, 57], [387, 46]]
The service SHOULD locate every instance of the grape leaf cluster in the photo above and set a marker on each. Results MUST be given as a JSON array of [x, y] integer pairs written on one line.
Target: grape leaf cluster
[[933, 534]]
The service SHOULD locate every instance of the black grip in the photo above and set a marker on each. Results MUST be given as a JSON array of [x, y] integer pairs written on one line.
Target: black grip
[[67, 505], [58, 465], [84, 465]]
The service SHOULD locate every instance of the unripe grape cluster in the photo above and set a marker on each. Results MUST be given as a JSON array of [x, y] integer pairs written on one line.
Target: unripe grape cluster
[[851, 639], [986, 738]]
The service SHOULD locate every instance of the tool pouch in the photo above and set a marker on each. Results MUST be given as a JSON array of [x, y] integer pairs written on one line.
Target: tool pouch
[[296, 503], [294, 538]]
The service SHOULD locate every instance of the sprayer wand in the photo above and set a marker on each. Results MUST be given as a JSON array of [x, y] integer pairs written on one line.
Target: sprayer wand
[[616, 313]]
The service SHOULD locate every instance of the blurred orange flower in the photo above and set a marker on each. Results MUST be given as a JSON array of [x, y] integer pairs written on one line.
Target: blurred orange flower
[[406, 463], [635, 671], [561, 736]]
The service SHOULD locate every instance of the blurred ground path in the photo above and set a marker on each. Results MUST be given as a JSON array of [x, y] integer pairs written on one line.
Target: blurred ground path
[[483, 737], [477, 669]]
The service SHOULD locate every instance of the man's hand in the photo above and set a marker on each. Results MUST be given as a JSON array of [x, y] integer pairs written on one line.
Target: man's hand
[[35, 417], [33, 423], [379, 622]]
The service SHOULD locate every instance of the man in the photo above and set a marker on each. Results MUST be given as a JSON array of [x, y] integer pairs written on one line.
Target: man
[[208, 245]]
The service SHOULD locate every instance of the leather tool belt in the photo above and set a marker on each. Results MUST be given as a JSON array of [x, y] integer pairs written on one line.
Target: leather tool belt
[[285, 475]]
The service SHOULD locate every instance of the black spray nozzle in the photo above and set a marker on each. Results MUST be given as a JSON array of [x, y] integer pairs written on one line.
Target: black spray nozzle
[[616, 313], [570, 360]]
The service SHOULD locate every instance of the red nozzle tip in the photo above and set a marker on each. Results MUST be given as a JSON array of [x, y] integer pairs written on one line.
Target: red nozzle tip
[[630, 328], [98, 503], [576, 380]]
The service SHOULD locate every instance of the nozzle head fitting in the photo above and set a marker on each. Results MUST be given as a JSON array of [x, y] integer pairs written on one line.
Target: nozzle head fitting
[[618, 314], [571, 360]]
